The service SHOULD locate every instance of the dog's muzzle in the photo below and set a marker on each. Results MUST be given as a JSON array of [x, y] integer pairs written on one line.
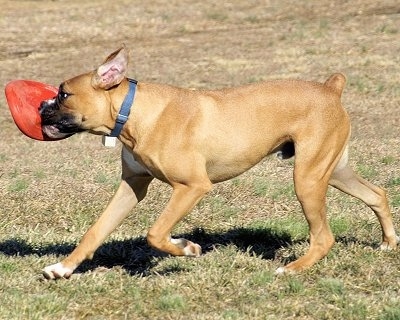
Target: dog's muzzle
[[55, 123]]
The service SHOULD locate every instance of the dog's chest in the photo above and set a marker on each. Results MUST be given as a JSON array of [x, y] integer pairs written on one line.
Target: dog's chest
[[133, 165]]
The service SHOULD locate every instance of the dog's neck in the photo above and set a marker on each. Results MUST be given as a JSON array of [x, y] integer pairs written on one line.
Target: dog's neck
[[125, 109]]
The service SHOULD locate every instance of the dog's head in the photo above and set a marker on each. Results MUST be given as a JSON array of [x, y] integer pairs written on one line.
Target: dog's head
[[84, 103]]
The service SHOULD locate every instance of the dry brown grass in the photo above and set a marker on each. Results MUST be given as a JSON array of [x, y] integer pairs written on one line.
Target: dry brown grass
[[51, 192]]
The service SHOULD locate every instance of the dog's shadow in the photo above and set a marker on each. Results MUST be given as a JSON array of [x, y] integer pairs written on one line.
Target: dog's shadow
[[137, 258]]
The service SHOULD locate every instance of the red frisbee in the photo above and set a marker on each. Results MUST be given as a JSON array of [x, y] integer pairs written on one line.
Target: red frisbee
[[24, 98]]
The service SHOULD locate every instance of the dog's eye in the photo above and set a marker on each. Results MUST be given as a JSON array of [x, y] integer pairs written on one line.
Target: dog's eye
[[62, 95]]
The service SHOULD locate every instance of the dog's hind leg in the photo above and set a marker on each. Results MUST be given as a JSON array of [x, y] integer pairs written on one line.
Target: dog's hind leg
[[311, 194], [314, 163], [346, 180]]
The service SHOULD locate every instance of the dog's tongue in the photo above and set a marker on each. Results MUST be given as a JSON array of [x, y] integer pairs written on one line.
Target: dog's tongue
[[24, 98], [51, 131]]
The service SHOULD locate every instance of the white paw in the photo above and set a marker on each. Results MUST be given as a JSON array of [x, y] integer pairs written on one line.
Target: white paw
[[56, 271], [385, 246], [280, 270], [190, 249]]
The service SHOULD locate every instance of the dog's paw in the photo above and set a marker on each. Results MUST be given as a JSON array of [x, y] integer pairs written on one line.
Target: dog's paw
[[56, 271], [386, 246], [190, 249], [284, 271], [280, 270]]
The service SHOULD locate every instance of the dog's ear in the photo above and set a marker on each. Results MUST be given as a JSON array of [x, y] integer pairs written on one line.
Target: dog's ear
[[112, 71]]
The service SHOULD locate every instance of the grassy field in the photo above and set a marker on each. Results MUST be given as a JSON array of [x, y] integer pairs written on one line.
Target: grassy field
[[50, 193]]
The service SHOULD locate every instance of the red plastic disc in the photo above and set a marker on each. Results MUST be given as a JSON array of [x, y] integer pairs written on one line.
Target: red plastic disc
[[24, 98]]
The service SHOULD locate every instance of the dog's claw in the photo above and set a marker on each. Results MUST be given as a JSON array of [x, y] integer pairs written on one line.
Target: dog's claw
[[56, 271]]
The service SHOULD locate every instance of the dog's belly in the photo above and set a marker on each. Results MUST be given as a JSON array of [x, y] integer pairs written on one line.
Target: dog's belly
[[227, 163], [225, 171]]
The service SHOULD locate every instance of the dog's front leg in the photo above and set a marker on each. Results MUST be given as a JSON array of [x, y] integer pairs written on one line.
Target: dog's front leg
[[183, 199], [129, 193]]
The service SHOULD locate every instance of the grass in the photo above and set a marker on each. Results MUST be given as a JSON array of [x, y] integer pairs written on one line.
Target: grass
[[389, 159], [263, 187], [217, 16], [395, 202], [18, 185], [51, 192]]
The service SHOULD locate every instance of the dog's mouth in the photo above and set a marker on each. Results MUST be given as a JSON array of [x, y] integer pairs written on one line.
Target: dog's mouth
[[54, 133], [60, 130], [55, 123]]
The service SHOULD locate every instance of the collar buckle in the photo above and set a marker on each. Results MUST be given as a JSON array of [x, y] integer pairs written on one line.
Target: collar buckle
[[121, 119]]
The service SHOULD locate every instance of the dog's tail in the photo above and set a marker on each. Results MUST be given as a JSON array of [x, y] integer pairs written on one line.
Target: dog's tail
[[336, 82]]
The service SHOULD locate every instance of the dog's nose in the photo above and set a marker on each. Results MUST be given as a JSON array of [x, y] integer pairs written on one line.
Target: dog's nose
[[47, 109], [45, 104], [42, 107]]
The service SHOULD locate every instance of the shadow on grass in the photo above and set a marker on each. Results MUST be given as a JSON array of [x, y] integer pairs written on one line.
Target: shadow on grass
[[137, 258]]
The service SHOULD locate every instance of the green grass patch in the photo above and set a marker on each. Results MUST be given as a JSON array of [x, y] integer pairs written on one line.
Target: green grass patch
[[366, 171], [360, 84], [252, 19], [262, 187], [39, 174], [220, 206], [395, 201], [261, 278], [294, 286], [3, 158], [388, 160], [294, 226], [18, 185], [333, 286], [388, 29], [390, 313], [101, 178], [231, 315], [171, 301], [340, 225], [8, 267], [393, 182], [217, 16]]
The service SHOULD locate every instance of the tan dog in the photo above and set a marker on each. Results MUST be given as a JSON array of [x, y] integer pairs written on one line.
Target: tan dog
[[191, 139]]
